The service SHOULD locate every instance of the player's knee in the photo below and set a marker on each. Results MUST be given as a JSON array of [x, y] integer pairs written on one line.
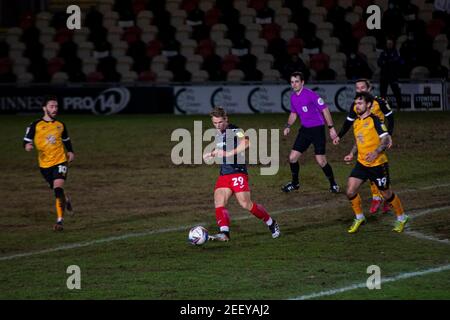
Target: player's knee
[[59, 192], [387, 194], [246, 205], [350, 193], [293, 158]]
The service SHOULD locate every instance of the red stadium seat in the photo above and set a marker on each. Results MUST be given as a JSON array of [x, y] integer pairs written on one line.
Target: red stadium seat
[[154, 48], [205, 48], [319, 62], [95, 76], [138, 6], [131, 35], [295, 46], [189, 5], [55, 65], [328, 4], [5, 65], [257, 4], [147, 76], [229, 62], [435, 27], [270, 31], [63, 35], [359, 30], [212, 17], [26, 20], [363, 3]]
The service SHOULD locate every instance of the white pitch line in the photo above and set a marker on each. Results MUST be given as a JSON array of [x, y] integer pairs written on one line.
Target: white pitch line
[[401, 276], [165, 230], [423, 236]]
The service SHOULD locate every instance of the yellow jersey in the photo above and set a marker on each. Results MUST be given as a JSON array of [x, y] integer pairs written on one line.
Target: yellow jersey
[[49, 138], [380, 108], [368, 133]]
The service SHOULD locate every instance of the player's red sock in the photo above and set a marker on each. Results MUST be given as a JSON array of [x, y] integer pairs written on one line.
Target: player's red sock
[[260, 212], [222, 217]]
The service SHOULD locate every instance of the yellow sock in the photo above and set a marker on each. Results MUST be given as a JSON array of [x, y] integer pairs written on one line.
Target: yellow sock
[[396, 204], [356, 204], [60, 205], [375, 192]]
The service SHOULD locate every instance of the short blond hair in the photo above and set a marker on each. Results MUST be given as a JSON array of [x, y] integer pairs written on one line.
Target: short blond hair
[[218, 112]]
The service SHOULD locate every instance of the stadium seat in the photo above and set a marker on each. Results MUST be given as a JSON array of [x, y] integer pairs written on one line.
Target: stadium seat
[[352, 17], [147, 76], [319, 61], [95, 76], [345, 3], [110, 19], [205, 48], [235, 75], [129, 76], [46, 34], [440, 43], [164, 76], [16, 49], [435, 27], [59, 78], [24, 78], [144, 18], [229, 62], [158, 63], [295, 46], [445, 59], [154, 48], [199, 76], [119, 48], [81, 35], [55, 65], [50, 50], [271, 75], [178, 18], [419, 73]]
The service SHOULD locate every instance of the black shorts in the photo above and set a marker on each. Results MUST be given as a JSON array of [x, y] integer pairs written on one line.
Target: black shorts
[[56, 172], [314, 135], [378, 175]]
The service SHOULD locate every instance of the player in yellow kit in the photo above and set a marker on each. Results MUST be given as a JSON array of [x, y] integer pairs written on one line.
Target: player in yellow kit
[[372, 139], [50, 136], [383, 111]]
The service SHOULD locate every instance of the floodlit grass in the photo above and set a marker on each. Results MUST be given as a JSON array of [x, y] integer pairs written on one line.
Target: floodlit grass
[[123, 182]]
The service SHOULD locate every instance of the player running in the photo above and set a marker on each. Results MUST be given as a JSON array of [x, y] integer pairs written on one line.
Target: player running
[[50, 136], [231, 144], [383, 111], [372, 139]]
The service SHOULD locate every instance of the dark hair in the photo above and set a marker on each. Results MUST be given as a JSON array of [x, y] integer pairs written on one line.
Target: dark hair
[[298, 74], [366, 81], [366, 96], [218, 112], [49, 98]]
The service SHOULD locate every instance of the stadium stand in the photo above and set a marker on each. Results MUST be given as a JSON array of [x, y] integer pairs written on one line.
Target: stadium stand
[[205, 40]]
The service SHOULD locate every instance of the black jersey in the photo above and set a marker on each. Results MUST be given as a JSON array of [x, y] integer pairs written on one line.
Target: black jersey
[[227, 141]]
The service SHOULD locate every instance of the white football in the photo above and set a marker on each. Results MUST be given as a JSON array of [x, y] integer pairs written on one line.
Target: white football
[[198, 235]]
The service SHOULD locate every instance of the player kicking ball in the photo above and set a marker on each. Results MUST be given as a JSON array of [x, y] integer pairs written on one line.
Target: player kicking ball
[[231, 144]]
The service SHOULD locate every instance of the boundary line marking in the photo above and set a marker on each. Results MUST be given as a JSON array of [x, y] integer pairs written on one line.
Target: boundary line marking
[[398, 277]]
